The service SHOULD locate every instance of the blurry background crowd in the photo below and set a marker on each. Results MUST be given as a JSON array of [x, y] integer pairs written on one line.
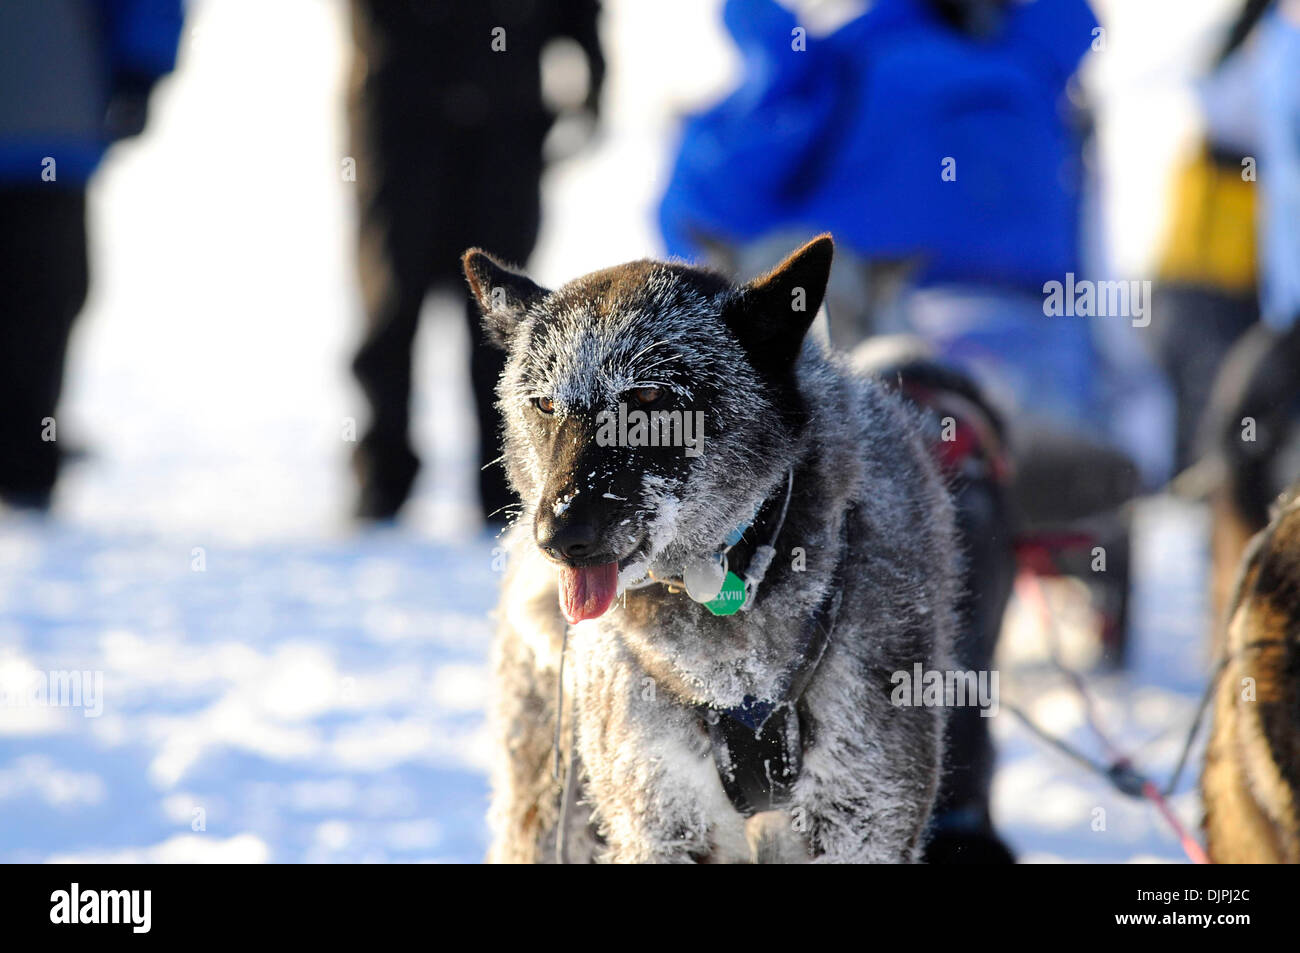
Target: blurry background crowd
[[235, 479]]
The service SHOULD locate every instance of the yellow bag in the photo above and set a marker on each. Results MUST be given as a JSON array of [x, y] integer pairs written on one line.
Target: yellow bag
[[1211, 238]]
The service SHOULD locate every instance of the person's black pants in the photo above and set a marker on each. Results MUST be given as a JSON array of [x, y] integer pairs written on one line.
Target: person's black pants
[[1192, 331], [43, 282], [426, 194]]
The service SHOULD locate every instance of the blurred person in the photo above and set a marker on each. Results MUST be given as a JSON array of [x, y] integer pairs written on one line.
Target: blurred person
[[448, 122], [1279, 90], [1250, 441], [1231, 254], [932, 132], [936, 141], [75, 76], [1229, 333]]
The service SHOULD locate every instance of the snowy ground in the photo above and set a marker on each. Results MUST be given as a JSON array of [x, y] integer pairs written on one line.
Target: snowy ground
[[276, 686]]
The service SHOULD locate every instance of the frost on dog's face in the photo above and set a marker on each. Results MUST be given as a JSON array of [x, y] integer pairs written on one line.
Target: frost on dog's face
[[633, 396]]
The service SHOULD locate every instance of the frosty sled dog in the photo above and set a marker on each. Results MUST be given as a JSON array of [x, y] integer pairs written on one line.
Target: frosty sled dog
[[734, 616]]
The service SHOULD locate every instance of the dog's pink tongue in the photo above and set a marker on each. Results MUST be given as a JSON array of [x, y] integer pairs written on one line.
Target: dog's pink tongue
[[587, 592]]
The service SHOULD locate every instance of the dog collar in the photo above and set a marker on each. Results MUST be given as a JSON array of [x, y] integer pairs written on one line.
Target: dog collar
[[713, 582]]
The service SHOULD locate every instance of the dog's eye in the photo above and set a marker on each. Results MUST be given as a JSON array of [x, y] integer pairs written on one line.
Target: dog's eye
[[647, 395], [544, 404]]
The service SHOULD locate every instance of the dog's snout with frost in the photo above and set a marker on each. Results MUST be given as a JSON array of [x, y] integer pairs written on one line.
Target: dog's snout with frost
[[570, 535], [565, 538]]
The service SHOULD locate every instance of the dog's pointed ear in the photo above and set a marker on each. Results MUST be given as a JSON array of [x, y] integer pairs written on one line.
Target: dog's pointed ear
[[503, 294], [772, 313]]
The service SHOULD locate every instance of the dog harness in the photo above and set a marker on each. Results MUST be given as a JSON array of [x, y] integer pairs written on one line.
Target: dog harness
[[758, 745]]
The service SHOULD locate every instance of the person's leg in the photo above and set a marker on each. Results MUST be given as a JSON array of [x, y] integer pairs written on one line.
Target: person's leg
[[391, 144], [385, 463], [486, 362], [1192, 330], [43, 274], [504, 220]]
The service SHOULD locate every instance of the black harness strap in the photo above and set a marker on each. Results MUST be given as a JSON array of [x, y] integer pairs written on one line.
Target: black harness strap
[[758, 745]]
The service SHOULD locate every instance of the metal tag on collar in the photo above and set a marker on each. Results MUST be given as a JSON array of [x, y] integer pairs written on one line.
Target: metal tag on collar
[[709, 582], [705, 577]]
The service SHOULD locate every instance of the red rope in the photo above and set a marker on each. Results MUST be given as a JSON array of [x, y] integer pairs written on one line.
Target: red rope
[[1191, 847], [1120, 766]]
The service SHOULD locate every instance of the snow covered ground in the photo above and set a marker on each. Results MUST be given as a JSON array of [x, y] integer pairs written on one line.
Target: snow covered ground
[[279, 687]]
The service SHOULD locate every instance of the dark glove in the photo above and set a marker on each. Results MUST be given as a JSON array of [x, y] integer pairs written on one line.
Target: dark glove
[[128, 105]]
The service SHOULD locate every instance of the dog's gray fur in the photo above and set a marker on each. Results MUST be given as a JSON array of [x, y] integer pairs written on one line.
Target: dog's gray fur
[[649, 790]]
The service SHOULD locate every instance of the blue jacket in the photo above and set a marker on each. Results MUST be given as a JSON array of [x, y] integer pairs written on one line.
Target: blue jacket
[[61, 64], [854, 134], [1279, 165]]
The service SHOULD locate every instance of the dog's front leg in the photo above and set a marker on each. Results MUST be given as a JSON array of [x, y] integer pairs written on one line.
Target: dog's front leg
[[525, 795], [649, 772], [871, 805], [868, 784]]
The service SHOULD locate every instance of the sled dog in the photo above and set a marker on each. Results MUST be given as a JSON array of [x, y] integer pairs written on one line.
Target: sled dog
[[695, 650], [1250, 784]]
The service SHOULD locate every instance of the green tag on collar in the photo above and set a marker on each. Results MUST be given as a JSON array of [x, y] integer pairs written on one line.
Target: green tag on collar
[[730, 599]]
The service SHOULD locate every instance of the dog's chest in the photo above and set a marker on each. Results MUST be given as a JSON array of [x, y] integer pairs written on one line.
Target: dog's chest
[[703, 660], [642, 744]]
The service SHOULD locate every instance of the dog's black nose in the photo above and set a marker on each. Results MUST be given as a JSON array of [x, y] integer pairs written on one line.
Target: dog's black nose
[[567, 539]]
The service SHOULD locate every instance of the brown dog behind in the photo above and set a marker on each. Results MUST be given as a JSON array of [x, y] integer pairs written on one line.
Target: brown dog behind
[[1250, 784]]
